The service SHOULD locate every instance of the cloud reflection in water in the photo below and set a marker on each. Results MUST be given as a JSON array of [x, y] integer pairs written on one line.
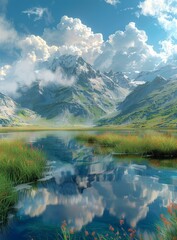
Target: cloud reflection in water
[[125, 191]]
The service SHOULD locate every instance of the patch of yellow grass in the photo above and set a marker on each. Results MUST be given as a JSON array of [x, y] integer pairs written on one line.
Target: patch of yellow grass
[[156, 145]]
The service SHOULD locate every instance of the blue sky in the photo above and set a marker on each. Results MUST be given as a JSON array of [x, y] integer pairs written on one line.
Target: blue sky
[[118, 35], [100, 16]]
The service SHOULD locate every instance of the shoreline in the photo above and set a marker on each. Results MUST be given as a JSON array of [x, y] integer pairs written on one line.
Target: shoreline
[[81, 128]]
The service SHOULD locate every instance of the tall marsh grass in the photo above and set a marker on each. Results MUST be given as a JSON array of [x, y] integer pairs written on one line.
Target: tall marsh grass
[[19, 164], [154, 145], [8, 197]]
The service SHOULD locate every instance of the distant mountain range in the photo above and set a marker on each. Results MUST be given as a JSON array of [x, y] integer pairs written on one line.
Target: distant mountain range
[[167, 72], [76, 93]]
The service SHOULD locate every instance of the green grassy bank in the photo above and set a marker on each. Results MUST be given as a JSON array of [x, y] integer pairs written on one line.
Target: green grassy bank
[[19, 164]]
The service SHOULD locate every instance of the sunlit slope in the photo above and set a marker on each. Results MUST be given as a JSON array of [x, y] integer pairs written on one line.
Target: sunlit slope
[[153, 104]]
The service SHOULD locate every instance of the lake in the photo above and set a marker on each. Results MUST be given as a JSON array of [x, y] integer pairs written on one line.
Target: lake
[[90, 192]]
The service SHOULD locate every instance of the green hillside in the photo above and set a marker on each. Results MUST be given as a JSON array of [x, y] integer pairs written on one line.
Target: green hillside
[[153, 104]]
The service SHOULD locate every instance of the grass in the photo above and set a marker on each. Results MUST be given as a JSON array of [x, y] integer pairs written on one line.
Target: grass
[[112, 233], [152, 145], [19, 164], [33, 128], [168, 229], [8, 197]]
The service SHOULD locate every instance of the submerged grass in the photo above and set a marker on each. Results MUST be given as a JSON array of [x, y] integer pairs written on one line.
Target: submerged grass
[[19, 164], [153, 145]]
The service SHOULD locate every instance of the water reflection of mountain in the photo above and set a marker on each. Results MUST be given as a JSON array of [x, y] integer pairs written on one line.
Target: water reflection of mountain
[[58, 149], [85, 186]]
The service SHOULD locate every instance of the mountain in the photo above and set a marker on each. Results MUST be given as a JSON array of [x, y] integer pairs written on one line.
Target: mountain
[[78, 93], [168, 72], [152, 104], [12, 114], [121, 79]]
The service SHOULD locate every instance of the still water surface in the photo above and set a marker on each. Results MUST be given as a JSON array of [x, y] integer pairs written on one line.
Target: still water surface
[[89, 192]]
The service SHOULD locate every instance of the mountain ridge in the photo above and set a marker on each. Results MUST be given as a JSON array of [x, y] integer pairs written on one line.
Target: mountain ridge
[[91, 95], [68, 90]]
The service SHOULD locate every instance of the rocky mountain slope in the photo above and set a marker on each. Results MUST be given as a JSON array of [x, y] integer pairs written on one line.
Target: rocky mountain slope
[[153, 103], [121, 79], [84, 95], [12, 114]]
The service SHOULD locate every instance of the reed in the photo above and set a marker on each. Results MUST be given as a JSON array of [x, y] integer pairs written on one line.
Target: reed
[[153, 145], [19, 164]]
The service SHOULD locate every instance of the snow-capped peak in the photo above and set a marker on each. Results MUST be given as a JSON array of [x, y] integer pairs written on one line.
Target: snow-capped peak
[[66, 61]]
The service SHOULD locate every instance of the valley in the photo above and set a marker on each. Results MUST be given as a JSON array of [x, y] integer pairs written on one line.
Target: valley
[[92, 98]]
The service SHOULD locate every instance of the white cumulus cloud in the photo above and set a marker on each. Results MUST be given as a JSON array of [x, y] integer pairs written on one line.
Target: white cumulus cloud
[[169, 51], [3, 71], [73, 37], [37, 48], [127, 51], [165, 11]]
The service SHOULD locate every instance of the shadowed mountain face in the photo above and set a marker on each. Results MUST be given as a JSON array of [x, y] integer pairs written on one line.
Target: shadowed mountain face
[[154, 102], [85, 95], [12, 114]]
